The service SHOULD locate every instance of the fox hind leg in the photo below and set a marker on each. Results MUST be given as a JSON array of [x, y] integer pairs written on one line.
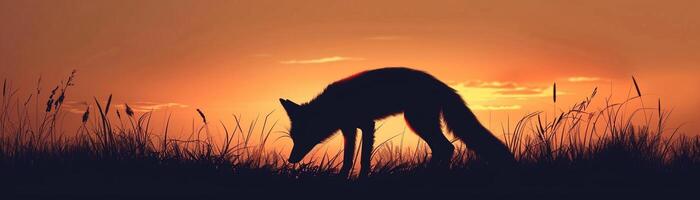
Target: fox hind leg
[[426, 123]]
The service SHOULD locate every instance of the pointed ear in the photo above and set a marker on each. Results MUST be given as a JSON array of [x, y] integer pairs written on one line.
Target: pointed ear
[[291, 107]]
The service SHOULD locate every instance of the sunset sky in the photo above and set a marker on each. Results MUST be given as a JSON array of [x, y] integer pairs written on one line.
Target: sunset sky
[[239, 57]]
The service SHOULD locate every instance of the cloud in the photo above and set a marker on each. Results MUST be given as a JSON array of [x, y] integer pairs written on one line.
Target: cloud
[[79, 107], [322, 60], [528, 92], [487, 91], [577, 79], [387, 37], [262, 55], [491, 84], [495, 107], [152, 106], [521, 92]]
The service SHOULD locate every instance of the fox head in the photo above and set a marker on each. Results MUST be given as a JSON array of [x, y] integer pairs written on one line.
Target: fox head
[[307, 130]]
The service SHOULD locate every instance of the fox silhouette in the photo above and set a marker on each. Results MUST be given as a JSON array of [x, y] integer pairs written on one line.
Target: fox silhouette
[[357, 101]]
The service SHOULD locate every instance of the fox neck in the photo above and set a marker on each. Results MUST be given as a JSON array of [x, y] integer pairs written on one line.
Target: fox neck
[[325, 118]]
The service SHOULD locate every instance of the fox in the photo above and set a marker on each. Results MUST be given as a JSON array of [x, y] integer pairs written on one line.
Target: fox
[[356, 102]]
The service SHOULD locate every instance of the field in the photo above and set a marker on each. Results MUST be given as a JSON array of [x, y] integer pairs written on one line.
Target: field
[[582, 151]]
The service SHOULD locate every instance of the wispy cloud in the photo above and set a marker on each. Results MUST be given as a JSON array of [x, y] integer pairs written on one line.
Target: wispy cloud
[[79, 107], [387, 37], [489, 91], [262, 55], [152, 106], [490, 84], [322, 60], [524, 92], [495, 107], [577, 79]]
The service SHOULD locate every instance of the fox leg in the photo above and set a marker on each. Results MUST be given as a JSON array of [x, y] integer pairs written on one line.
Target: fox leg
[[349, 136], [426, 123], [367, 146]]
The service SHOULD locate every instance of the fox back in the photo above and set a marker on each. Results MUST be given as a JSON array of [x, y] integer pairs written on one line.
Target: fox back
[[379, 93]]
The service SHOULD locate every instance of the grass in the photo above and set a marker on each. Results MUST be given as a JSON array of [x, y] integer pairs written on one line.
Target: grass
[[582, 150]]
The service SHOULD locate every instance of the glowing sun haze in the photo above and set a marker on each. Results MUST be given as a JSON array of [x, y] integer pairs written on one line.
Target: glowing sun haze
[[239, 57]]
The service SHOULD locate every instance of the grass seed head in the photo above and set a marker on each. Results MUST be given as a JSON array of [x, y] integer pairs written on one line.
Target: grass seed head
[[554, 92], [86, 115], [201, 114], [129, 111], [636, 86]]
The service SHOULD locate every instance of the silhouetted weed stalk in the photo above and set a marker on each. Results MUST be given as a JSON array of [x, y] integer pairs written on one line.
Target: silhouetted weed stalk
[[580, 135]]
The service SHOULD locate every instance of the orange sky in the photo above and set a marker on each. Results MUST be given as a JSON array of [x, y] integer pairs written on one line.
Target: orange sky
[[240, 56]]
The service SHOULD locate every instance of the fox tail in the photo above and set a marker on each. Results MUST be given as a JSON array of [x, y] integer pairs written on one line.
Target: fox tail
[[464, 125]]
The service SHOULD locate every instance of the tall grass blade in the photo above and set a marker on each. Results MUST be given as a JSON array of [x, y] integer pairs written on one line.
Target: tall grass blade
[[109, 103]]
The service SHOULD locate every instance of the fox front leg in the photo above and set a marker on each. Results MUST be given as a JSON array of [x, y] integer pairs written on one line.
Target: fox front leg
[[349, 135], [367, 146]]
